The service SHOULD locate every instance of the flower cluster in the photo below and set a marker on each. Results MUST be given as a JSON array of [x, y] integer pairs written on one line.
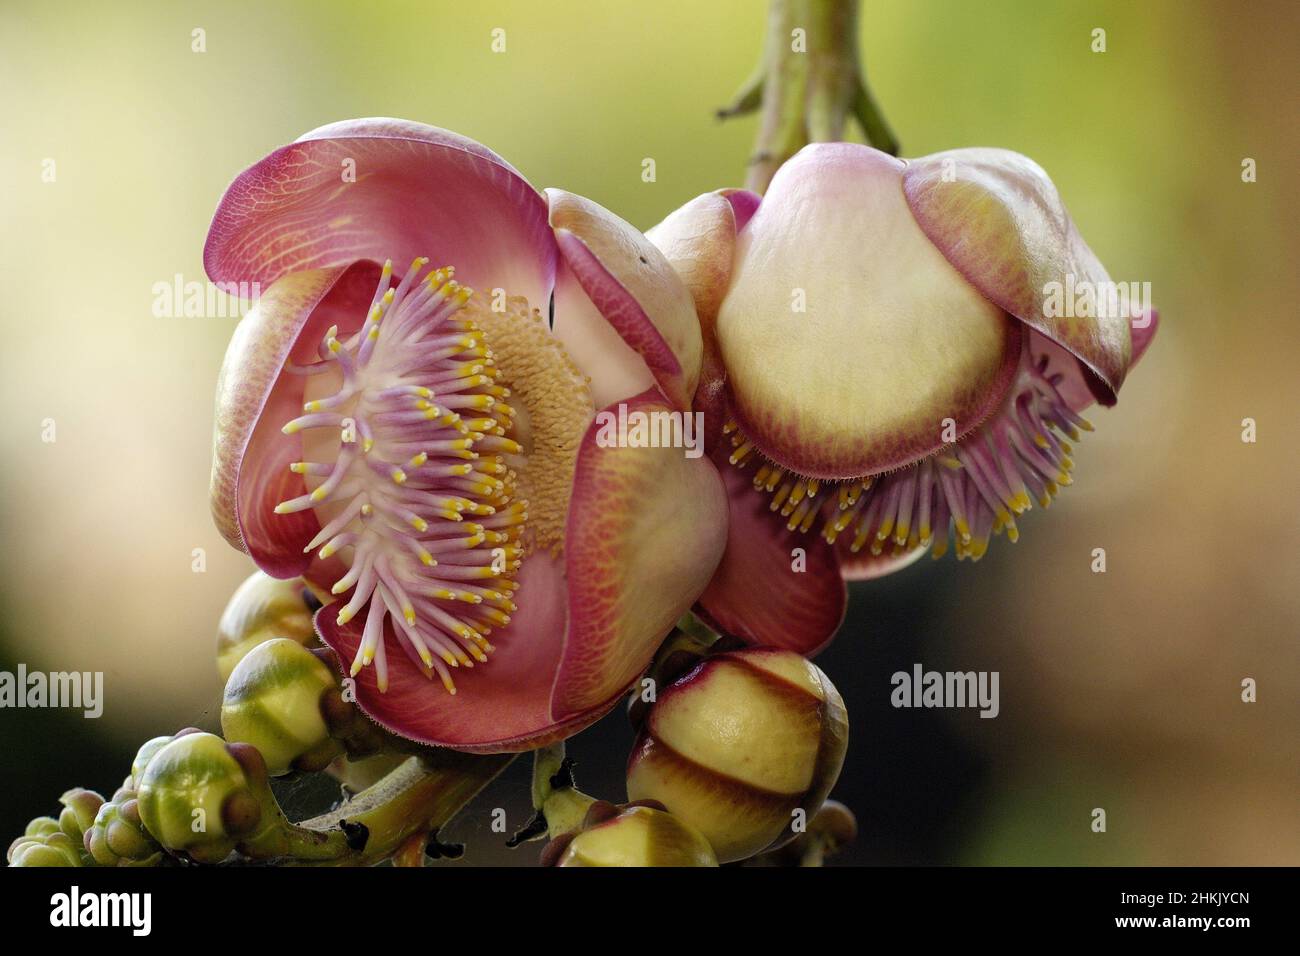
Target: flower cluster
[[407, 448]]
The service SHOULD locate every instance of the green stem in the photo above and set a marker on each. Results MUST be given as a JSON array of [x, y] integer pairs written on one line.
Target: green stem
[[557, 800], [420, 796], [808, 84], [559, 804]]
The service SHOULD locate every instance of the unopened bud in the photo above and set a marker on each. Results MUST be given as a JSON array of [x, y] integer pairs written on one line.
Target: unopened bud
[[746, 747], [79, 809], [145, 754], [262, 608], [273, 701], [118, 836], [631, 836], [195, 798], [54, 848]]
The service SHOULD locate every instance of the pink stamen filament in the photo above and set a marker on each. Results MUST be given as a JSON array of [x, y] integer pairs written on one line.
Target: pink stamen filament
[[408, 473]]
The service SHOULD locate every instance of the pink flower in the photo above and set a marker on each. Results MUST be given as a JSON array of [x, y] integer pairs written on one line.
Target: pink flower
[[898, 348], [421, 441]]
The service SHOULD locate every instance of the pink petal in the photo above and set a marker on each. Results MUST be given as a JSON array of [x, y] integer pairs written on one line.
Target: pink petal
[[1000, 221], [756, 595], [256, 397], [501, 706], [636, 291], [744, 202], [418, 191], [646, 530]]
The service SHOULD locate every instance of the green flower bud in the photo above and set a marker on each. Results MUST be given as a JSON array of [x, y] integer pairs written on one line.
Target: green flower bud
[[635, 835], [118, 836], [79, 809], [145, 754], [205, 798], [46, 849], [745, 747], [195, 798], [41, 826], [260, 609], [273, 701]]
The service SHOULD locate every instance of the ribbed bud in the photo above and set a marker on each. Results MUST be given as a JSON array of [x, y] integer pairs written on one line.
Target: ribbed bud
[[273, 700], [118, 836], [50, 848], [195, 798], [745, 747], [262, 608]]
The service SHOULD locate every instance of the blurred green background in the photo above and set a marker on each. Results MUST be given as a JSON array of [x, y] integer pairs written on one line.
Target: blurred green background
[[1119, 691]]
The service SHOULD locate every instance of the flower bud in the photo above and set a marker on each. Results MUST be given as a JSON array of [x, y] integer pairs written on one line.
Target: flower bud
[[79, 809], [745, 747], [273, 701], [118, 836], [196, 798], [48, 848], [145, 754], [260, 609], [631, 836]]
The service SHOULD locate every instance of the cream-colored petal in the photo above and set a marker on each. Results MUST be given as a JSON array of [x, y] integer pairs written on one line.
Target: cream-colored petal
[[847, 337]]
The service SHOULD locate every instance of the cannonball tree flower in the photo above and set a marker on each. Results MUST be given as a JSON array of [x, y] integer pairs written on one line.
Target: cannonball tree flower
[[418, 441], [886, 344]]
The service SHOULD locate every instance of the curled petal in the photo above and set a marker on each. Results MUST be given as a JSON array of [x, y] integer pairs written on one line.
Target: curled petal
[[639, 296], [256, 396], [865, 566], [847, 337], [744, 203], [774, 587], [646, 529], [503, 706], [1000, 221], [381, 188], [699, 240]]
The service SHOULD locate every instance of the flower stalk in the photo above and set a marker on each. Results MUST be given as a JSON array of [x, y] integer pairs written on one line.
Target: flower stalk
[[808, 83], [411, 803]]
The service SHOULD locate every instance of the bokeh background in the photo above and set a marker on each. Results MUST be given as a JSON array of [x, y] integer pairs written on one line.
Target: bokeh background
[[1118, 690]]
